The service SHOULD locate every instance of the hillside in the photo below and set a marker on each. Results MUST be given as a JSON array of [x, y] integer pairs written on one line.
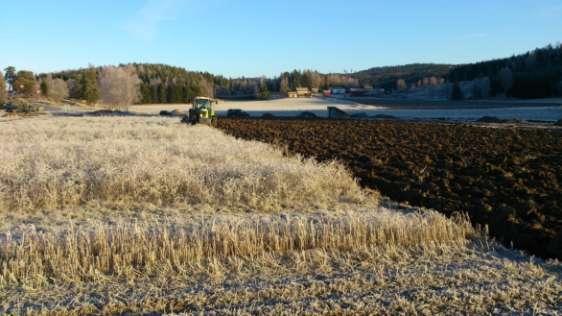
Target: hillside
[[386, 77], [535, 74]]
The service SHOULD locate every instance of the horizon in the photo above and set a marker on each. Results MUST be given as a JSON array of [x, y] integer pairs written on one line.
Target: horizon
[[254, 39]]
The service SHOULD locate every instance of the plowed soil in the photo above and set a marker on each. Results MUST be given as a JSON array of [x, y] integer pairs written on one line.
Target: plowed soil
[[508, 179]]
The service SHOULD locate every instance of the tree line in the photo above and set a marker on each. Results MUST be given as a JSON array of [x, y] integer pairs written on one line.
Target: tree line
[[112, 85], [159, 83], [392, 78], [288, 81], [136, 83], [535, 74]]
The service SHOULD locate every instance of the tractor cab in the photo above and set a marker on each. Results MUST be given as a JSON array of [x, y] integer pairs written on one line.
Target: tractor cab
[[202, 111]]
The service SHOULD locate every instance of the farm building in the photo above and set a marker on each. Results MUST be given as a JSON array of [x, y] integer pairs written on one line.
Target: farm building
[[304, 93], [338, 92], [300, 93]]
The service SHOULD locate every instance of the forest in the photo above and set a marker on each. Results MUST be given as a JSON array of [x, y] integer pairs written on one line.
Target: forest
[[535, 74], [159, 83], [388, 78]]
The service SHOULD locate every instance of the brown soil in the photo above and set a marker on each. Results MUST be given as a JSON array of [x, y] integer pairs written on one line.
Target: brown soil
[[509, 179]]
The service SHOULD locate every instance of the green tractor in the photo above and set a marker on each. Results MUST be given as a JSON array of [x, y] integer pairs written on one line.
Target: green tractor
[[202, 111]]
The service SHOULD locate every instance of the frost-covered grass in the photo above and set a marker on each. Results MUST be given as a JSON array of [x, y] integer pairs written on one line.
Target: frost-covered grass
[[68, 162], [112, 215]]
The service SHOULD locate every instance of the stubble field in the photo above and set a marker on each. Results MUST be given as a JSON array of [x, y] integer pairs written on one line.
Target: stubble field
[[113, 215]]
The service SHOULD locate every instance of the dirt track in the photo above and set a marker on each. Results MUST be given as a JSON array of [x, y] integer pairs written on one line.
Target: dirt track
[[509, 179]]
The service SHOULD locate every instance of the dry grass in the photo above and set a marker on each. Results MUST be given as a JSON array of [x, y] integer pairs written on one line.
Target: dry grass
[[113, 215], [207, 244], [68, 162]]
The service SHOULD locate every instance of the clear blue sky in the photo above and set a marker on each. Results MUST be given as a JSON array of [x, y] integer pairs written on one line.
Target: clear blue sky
[[263, 37]]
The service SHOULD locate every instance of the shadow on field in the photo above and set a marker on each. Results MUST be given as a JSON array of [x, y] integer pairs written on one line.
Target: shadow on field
[[103, 113]]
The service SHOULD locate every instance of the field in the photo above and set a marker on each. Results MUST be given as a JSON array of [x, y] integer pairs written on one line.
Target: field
[[288, 104], [509, 179], [125, 215], [465, 104], [276, 105], [317, 105]]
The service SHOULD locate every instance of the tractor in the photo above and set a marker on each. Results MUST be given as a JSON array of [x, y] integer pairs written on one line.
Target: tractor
[[202, 111]]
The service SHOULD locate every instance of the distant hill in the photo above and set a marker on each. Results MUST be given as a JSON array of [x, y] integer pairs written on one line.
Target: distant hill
[[386, 77], [535, 74]]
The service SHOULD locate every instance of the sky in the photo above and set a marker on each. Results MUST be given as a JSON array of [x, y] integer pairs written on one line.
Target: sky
[[266, 37]]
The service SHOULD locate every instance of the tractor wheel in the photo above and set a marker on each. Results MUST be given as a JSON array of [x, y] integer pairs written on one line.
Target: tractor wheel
[[193, 117]]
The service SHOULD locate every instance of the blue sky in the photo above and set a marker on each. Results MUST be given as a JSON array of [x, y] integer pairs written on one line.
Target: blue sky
[[261, 37]]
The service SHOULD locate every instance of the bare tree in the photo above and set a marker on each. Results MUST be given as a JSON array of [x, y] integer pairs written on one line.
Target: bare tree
[[207, 87], [58, 89], [119, 86], [284, 85], [401, 85], [315, 80], [434, 81], [341, 80]]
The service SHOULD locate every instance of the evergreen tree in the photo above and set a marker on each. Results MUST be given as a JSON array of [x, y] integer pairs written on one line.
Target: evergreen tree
[[2, 89], [25, 83], [44, 88], [89, 84], [10, 76], [456, 93], [170, 94], [263, 92], [162, 94], [531, 75], [284, 85], [146, 93], [506, 79]]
